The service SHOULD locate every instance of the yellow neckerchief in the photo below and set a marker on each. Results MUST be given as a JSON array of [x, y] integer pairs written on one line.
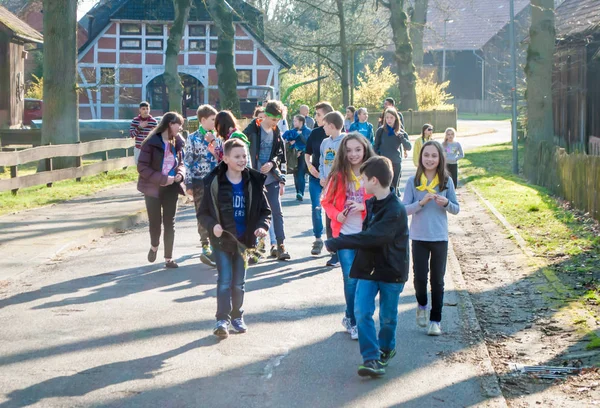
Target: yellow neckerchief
[[429, 187], [355, 180]]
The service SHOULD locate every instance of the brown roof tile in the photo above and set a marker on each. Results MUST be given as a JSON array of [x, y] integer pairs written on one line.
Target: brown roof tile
[[577, 17], [20, 29]]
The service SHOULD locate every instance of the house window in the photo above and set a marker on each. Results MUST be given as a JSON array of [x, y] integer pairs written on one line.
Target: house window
[[131, 29], [131, 44], [244, 76], [154, 44], [107, 76], [214, 44], [197, 45], [197, 30], [154, 29]]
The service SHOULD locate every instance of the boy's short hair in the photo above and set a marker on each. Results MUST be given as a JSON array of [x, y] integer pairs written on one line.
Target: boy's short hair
[[230, 144], [144, 104], [379, 167], [334, 118], [362, 110], [274, 108], [205, 111], [391, 101], [324, 106], [300, 118]]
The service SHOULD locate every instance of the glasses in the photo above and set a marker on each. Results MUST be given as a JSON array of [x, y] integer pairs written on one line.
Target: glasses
[[430, 129]]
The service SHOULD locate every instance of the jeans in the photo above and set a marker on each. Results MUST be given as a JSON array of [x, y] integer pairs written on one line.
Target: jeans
[[346, 257], [389, 293], [315, 190], [397, 175], [426, 256], [198, 189], [272, 236], [300, 176], [162, 210], [276, 211], [453, 170], [231, 281]]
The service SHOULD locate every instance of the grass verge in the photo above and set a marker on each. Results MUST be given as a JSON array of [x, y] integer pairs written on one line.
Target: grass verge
[[484, 116], [63, 190]]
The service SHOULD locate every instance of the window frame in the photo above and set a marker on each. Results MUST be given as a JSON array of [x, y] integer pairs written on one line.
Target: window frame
[[123, 25], [239, 71]]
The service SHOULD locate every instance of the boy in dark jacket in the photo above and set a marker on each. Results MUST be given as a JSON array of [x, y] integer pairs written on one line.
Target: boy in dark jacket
[[235, 212], [381, 266]]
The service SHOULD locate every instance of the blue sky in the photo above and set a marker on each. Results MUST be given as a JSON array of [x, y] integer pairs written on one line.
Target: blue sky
[[84, 6]]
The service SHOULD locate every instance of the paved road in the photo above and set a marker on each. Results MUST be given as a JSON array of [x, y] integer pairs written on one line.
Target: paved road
[[101, 327]]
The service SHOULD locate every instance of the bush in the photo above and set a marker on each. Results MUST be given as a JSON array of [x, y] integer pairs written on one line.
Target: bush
[[374, 85], [35, 89], [307, 95], [431, 95]]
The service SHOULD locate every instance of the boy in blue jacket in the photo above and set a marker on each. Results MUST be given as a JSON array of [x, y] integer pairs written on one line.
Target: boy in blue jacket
[[362, 126], [297, 138]]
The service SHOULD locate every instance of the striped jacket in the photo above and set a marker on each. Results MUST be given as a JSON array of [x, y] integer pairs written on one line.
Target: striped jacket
[[138, 133]]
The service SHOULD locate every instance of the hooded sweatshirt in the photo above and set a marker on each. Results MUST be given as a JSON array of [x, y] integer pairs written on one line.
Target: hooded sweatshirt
[[329, 148]]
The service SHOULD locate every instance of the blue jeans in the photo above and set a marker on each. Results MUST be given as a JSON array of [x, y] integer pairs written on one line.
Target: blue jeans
[[231, 281], [389, 293], [315, 189], [300, 176], [346, 257]]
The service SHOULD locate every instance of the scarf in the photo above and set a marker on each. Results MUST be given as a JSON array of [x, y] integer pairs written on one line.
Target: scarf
[[431, 187], [355, 180], [390, 130]]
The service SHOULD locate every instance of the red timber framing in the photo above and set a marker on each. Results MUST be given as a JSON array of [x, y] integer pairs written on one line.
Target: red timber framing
[[116, 68]]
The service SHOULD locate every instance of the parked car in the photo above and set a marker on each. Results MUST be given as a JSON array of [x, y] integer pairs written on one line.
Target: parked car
[[33, 111]]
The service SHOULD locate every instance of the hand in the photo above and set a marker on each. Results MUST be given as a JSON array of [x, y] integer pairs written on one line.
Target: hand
[[441, 200], [341, 218], [209, 137], [292, 142], [281, 189], [323, 183], [405, 154], [190, 192], [178, 178], [143, 124], [299, 154], [428, 197], [212, 147], [355, 207], [267, 167], [218, 230], [170, 180], [314, 171], [260, 233]]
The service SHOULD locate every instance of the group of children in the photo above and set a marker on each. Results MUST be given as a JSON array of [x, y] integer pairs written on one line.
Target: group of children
[[237, 178]]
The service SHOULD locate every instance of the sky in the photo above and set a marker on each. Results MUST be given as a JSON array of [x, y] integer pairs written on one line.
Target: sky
[[84, 6]]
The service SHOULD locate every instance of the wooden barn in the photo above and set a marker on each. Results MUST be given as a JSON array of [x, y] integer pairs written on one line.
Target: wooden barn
[[123, 60], [576, 82], [14, 34]]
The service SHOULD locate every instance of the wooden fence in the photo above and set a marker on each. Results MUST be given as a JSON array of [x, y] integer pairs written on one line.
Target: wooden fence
[[594, 146], [414, 121], [478, 106], [33, 137], [47, 153]]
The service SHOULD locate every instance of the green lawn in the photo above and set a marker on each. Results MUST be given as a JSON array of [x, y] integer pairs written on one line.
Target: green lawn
[[484, 116]]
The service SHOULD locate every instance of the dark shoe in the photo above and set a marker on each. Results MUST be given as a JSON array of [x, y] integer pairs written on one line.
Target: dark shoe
[[282, 255], [371, 368], [273, 253], [171, 264], [152, 255], [238, 325], [207, 257], [317, 247], [299, 197], [221, 329], [333, 261], [386, 356]]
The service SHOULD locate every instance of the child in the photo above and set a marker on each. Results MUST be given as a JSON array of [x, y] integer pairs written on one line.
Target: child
[[297, 138], [140, 128], [362, 126], [349, 120], [333, 124], [454, 152], [380, 266], [344, 203], [226, 127], [428, 197], [426, 133], [203, 151], [389, 140], [235, 211], [161, 172]]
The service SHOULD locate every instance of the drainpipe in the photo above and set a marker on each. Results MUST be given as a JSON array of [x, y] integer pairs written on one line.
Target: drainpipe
[[482, 74]]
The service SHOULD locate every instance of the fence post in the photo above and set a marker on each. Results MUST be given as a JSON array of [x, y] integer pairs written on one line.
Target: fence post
[[78, 163], [14, 173], [435, 119], [49, 167], [105, 158]]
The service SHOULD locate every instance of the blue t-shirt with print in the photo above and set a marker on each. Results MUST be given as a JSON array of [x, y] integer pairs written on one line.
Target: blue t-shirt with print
[[239, 208]]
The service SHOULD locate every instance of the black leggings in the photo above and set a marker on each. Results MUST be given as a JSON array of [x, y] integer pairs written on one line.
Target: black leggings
[[453, 170], [162, 210], [397, 174], [426, 256]]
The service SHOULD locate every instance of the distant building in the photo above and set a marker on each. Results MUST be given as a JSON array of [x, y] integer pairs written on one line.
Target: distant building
[[122, 61]]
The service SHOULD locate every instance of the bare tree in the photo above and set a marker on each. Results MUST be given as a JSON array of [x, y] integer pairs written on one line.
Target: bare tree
[[171, 75]]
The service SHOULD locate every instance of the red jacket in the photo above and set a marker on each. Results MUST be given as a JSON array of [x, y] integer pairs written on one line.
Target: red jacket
[[333, 202]]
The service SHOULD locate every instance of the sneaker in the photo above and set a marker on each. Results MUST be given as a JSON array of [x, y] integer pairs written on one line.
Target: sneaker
[[206, 257], [221, 329], [371, 368], [282, 255], [435, 329], [346, 323], [238, 325], [421, 316], [299, 197], [152, 255], [317, 247], [386, 356], [354, 333], [171, 264], [273, 252], [333, 261]]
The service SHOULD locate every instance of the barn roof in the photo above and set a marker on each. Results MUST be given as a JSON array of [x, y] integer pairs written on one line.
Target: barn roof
[[474, 23], [20, 29], [577, 17]]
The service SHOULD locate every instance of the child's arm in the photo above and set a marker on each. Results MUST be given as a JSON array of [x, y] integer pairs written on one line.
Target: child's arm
[[452, 207], [417, 152], [188, 159], [203, 214], [327, 202], [321, 163], [264, 219], [371, 134], [409, 200], [404, 140], [354, 127], [145, 169], [133, 129], [377, 146], [461, 154]]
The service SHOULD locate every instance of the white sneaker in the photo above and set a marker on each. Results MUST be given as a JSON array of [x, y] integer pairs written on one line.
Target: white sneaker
[[421, 317], [354, 333], [434, 329], [346, 323]]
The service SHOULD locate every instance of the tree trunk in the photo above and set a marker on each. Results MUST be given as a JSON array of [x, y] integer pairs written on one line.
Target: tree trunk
[[345, 77], [171, 75], [61, 106], [407, 76], [417, 25], [222, 15], [540, 62]]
